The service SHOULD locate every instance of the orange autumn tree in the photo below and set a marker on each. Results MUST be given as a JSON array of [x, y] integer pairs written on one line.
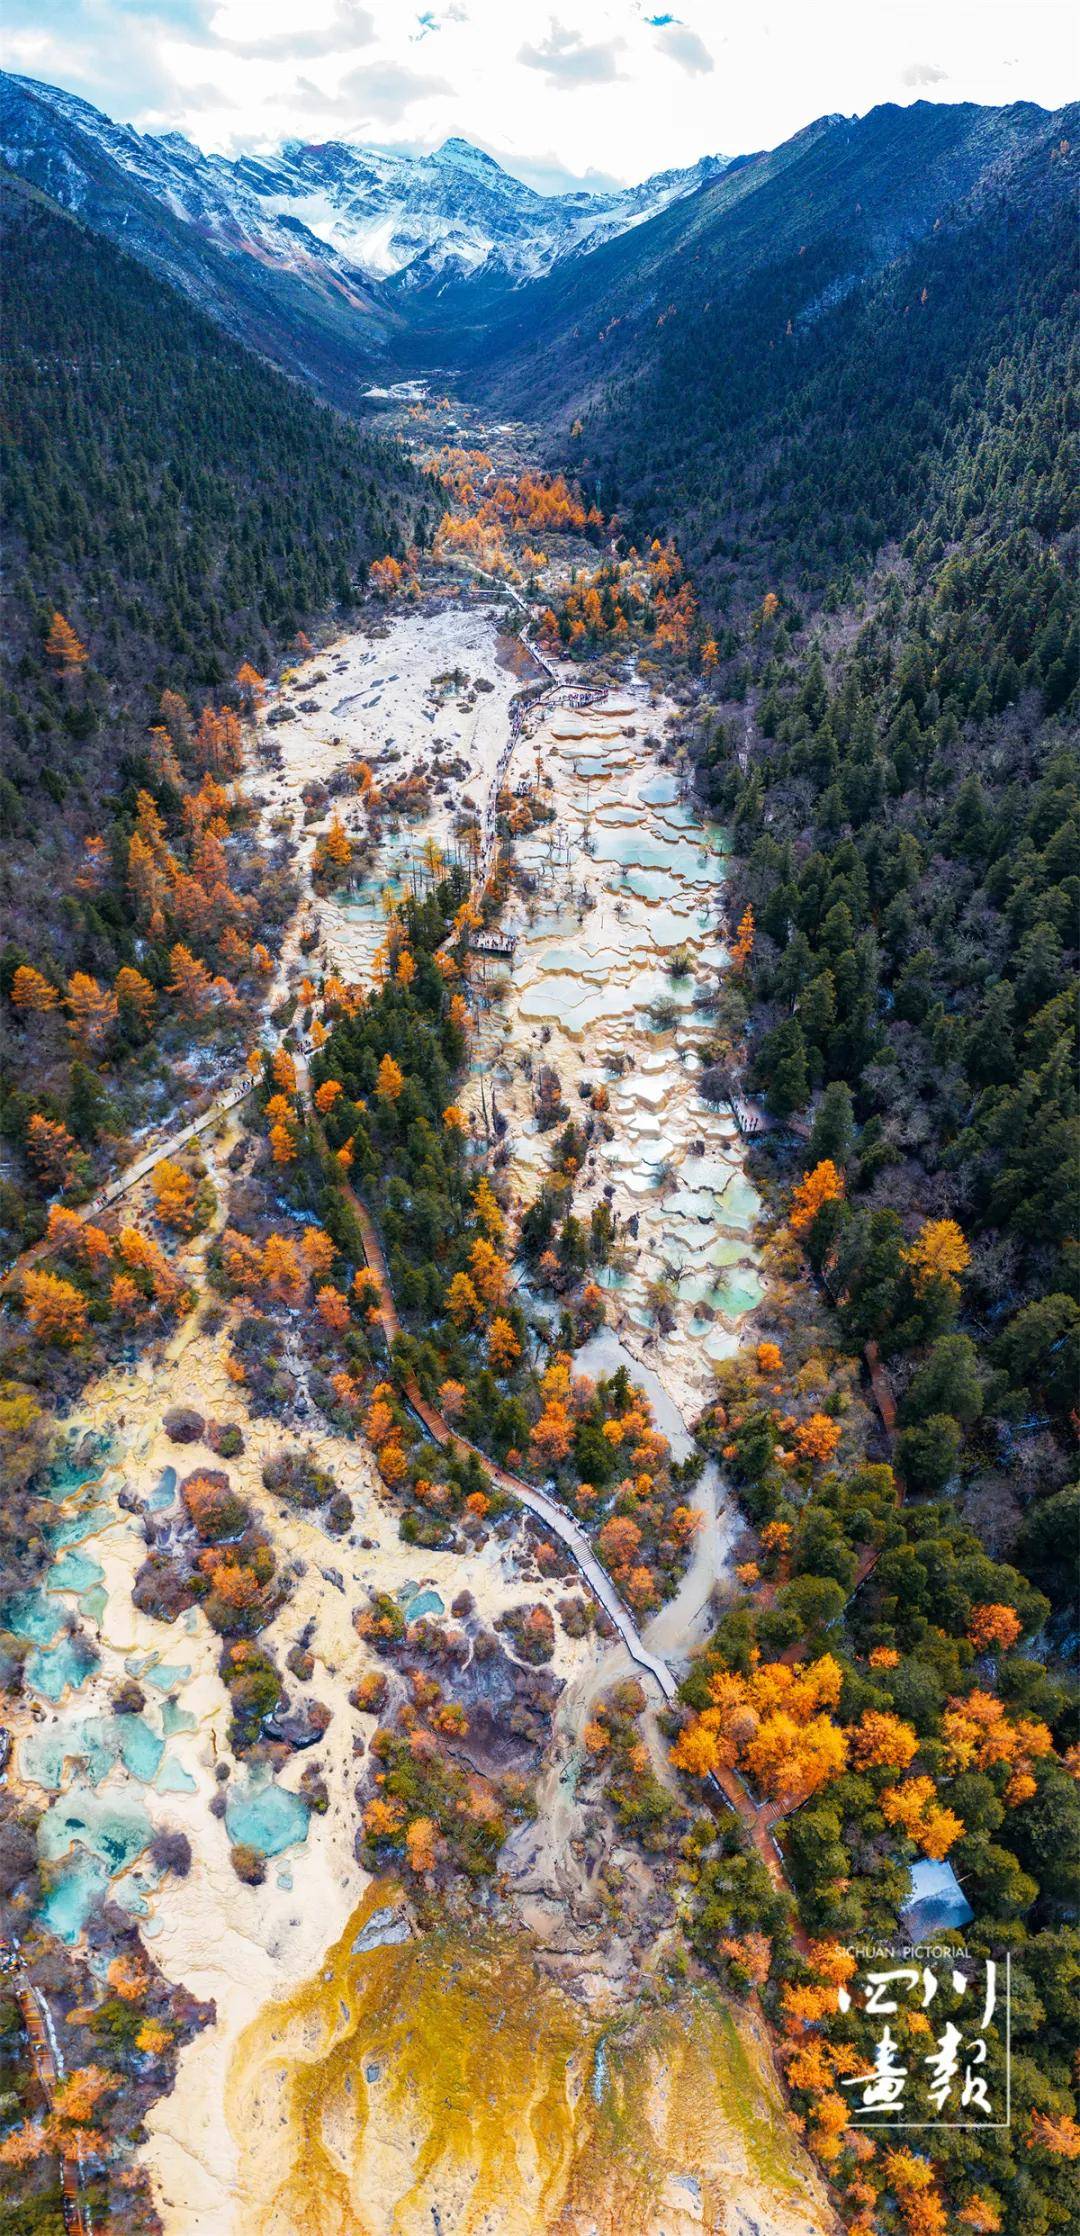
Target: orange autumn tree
[[552, 1435], [134, 992], [336, 844], [504, 1347], [63, 647], [32, 992], [92, 1008], [190, 981], [390, 1080], [979, 1735], [938, 1253], [462, 1302], [385, 576], [744, 940], [173, 1191], [618, 1544], [55, 1309], [823, 1185], [981, 2215], [333, 1309], [283, 1069], [318, 1252], [773, 1723], [64, 1230], [489, 1273], [913, 1808], [993, 1626], [282, 1273], [882, 1741], [912, 2182], [367, 1293], [144, 1256], [251, 683], [282, 1143], [816, 1440], [1060, 2136], [51, 1150], [420, 1846]]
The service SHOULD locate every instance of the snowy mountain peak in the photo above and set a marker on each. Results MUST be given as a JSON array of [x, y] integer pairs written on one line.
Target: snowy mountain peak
[[365, 214], [456, 150]]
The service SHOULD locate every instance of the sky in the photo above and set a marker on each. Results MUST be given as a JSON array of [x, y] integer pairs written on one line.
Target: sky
[[597, 92]]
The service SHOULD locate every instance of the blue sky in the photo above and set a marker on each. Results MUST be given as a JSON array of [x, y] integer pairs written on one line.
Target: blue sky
[[593, 90]]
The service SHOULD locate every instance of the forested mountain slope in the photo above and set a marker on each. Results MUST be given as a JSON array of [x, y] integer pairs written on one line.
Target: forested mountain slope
[[184, 506], [905, 794], [289, 296], [770, 371]]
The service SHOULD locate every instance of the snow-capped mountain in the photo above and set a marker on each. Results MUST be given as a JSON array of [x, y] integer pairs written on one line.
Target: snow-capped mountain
[[424, 219], [336, 214], [268, 280]]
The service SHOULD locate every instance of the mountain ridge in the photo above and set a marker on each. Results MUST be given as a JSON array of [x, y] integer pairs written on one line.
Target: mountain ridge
[[688, 382], [361, 213]]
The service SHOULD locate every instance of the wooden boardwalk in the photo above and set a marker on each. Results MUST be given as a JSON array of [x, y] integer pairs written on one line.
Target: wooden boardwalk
[[48, 2075], [528, 1495], [758, 1819]]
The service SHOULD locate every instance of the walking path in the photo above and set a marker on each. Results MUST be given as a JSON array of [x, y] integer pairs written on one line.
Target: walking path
[[758, 1819], [538, 1502], [240, 1083], [47, 2067]]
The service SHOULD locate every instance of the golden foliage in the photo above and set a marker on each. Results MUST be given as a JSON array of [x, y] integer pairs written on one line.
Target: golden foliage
[[743, 946], [30, 990], [55, 1309], [773, 1724], [938, 1253], [882, 1741], [63, 646], [173, 1191], [823, 1185], [914, 1807], [993, 1625], [390, 1080], [816, 1439]]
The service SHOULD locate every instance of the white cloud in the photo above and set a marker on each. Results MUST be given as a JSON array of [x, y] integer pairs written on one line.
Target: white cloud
[[684, 47], [377, 93], [566, 59], [653, 85], [923, 73]]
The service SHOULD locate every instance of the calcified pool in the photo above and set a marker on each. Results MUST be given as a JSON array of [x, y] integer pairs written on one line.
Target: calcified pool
[[443, 2081], [86, 1759], [617, 961]]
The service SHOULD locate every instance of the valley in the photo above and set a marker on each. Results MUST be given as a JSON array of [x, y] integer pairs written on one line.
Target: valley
[[538, 1342], [245, 1949]]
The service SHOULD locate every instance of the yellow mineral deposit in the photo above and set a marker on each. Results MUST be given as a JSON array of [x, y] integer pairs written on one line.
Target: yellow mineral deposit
[[442, 2081]]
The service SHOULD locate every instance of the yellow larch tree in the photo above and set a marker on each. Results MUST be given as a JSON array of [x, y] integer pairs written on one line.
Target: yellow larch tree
[[63, 647]]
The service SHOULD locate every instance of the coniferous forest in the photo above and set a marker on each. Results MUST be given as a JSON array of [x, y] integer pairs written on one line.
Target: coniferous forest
[[186, 507]]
